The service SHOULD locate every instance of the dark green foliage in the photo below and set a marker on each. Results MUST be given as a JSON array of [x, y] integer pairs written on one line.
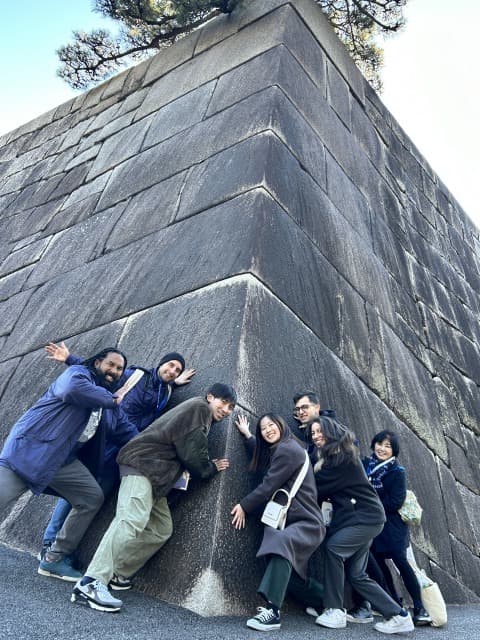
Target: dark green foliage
[[149, 25]]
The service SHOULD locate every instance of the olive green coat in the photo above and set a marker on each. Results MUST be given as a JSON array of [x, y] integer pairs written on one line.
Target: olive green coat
[[177, 440]]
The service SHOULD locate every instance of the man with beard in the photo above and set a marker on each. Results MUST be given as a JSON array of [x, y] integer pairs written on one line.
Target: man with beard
[[41, 450], [143, 404]]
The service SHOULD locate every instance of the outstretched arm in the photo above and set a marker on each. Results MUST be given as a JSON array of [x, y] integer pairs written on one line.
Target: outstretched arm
[[58, 352], [185, 377], [243, 426]]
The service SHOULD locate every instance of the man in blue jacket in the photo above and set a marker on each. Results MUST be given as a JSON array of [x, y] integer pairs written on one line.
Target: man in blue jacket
[[41, 450], [149, 398], [143, 404]]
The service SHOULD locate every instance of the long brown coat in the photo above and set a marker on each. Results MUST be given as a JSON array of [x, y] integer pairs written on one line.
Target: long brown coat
[[174, 442], [304, 530]]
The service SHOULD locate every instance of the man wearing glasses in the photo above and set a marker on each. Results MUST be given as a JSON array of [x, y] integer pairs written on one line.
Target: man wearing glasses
[[307, 407]]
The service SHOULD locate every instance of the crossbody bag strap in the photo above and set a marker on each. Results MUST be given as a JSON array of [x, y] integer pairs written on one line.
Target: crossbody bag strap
[[301, 477]]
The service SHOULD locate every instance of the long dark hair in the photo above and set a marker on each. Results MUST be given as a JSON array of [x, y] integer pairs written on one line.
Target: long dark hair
[[339, 447], [261, 455], [90, 362]]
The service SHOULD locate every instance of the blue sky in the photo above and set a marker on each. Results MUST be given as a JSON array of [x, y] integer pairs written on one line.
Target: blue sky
[[430, 77]]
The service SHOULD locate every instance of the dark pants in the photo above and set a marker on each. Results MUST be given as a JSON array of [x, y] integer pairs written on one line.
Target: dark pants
[[375, 573], [346, 553], [280, 578], [399, 559], [74, 483], [109, 481]]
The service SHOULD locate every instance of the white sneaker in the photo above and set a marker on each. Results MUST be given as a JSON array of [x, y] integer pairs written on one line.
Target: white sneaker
[[310, 611], [333, 618], [396, 624], [96, 595]]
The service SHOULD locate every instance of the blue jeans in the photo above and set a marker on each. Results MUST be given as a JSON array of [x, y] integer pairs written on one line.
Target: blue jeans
[[59, 515]]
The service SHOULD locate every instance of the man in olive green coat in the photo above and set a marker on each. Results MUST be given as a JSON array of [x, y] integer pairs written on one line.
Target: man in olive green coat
[[150, 465]]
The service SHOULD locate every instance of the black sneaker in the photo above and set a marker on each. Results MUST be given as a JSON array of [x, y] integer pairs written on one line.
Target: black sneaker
[[265, 620], [120, 583], [421, 617], [362, 614]]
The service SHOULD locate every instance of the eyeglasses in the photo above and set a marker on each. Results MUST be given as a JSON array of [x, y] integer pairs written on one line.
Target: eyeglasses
[[302, 407]]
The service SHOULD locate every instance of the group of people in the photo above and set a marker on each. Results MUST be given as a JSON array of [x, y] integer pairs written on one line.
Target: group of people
[[362, 498], [93, 431]]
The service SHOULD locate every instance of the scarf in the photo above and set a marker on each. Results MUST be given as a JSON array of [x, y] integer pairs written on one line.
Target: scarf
[[376, 470]]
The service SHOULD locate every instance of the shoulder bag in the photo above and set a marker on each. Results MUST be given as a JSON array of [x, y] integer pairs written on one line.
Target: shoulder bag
[[275, 514], [411, 511]]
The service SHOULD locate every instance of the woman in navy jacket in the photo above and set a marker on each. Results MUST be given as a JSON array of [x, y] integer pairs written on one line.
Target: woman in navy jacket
[[389, 479]]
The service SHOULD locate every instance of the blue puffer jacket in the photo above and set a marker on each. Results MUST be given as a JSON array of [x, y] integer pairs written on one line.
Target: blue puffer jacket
[[148, 398], [42, 439]]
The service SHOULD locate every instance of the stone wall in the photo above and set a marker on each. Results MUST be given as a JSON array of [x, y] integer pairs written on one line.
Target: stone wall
[[244, 197]]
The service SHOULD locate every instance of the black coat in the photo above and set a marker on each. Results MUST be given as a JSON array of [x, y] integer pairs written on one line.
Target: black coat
[[353, 498], [304, 530]]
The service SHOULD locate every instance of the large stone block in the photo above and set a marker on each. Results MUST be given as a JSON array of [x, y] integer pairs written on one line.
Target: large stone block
[[409, 383], [76, 246], [462, 510], [452, 345], [13, 283], [121, 146], [245, 197], [467, 565]]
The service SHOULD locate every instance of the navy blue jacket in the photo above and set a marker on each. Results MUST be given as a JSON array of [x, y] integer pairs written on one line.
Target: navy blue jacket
[[148, 398], [41, 441], [395, 534]]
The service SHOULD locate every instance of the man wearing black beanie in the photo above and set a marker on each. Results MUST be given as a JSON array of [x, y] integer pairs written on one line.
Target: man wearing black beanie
[[142, 405]]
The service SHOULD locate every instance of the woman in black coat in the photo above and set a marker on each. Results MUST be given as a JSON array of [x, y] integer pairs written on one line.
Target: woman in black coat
[[358, 517], [389, 479], [280, 457]]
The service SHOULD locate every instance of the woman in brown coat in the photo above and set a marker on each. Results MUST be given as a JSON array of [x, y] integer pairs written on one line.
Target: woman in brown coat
[[280, 456]]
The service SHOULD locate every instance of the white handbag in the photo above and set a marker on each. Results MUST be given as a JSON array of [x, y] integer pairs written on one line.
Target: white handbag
[[275, 514]]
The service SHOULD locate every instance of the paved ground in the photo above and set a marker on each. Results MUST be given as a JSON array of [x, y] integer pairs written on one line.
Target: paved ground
[[39, 608]]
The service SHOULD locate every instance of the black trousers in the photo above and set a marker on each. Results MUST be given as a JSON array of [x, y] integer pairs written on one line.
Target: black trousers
[[399, 559]]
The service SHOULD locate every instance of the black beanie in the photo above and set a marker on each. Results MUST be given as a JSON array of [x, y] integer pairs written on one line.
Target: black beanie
[[172, 356]]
